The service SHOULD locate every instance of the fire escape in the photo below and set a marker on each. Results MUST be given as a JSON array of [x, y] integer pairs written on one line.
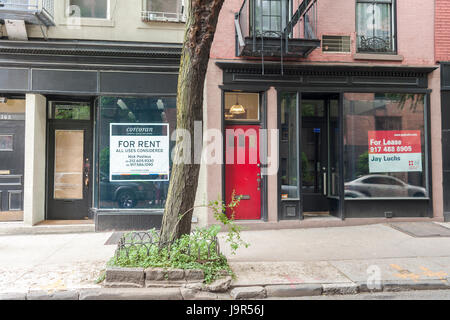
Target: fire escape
[[270, 28], [16, 13]]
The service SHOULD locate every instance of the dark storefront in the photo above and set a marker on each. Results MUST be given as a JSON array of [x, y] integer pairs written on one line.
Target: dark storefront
[[445, 113], [90, 88], [354, 140]]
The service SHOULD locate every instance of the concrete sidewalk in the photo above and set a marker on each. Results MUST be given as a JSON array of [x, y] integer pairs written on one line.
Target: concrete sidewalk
[[282, 262]]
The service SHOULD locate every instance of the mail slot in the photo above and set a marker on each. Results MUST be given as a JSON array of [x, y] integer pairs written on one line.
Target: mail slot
[[243, 197]]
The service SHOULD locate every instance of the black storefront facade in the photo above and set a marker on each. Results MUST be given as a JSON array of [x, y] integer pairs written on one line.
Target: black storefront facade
[[85, 89], [445, 112], [326, 116]]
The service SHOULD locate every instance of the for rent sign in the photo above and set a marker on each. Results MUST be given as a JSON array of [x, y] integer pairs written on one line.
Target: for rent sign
[[139, 152], [395, 151]]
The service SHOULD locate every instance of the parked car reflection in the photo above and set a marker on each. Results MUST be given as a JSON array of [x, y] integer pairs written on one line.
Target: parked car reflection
[[126, 194], [382, 186]]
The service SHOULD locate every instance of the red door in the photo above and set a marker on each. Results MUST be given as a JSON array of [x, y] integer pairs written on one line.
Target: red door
[[242, 170]]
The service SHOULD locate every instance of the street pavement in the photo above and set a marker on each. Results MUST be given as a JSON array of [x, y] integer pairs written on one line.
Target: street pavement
[[327, 256]]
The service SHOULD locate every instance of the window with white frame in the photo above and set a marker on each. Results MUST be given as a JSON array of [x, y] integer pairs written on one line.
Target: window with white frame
[[97, 9], [163, 10]]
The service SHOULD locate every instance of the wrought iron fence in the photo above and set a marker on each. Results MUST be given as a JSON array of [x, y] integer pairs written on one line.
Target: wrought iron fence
[[147, 242]]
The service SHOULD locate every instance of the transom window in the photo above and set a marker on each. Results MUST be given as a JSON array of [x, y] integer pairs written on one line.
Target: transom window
[[375, 25], [89, 8]]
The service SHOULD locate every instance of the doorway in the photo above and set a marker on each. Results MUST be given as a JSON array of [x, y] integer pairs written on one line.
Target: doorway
[[12, 148], [69, 158], [319, 153], [243, 171]]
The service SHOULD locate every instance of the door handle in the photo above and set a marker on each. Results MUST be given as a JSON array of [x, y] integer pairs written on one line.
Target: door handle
[[87, 169], [259, 183], [324, 183]]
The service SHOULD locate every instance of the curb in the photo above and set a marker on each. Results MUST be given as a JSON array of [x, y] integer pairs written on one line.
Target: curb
[[235, 293]]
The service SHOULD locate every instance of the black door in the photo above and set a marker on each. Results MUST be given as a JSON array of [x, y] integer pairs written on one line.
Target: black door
[[12, 146], [69, 158], [314, 155]]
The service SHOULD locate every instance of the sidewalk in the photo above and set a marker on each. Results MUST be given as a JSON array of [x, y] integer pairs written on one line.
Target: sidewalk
[[283, 262]]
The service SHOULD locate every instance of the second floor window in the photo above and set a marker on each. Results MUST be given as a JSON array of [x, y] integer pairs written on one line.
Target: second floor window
[[89, 8], [163, 10], [271, 17], [375, 26]]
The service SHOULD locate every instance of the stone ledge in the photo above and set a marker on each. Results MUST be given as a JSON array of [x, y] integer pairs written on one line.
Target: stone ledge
[[340, 288], [376, 56], [256, 292], [12, 296], [131, 294], [125, 277], [432, 284], [57, 295], [290, 291]]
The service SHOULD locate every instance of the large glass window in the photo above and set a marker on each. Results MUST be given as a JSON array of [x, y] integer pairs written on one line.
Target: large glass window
[[271, 17], [90, 8], [375, 25], [289, 147], [385, 145], [134, 134]]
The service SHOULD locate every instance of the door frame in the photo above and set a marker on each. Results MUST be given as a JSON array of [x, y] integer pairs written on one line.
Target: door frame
[[298, 203], [90, 141], [263, 147]]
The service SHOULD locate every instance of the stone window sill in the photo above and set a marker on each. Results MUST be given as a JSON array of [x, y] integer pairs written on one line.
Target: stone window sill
[[375, 56]]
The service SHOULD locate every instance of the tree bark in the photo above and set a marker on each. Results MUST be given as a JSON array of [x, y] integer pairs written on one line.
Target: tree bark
[[199, 34]]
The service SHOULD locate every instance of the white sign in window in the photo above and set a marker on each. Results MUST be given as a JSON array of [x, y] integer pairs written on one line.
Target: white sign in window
[[139, 152]]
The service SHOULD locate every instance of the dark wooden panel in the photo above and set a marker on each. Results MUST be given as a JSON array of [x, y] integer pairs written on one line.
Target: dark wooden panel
[[64, 81], [138, 83], [13, 79]]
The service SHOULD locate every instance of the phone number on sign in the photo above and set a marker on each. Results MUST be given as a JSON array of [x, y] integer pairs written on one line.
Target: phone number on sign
[[390, 149]]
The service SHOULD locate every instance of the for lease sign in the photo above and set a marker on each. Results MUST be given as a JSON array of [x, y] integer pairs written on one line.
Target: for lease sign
[[139, 152], [395, 151]]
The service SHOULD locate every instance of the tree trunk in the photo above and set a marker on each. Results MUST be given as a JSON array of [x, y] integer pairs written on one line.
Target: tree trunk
[[199, 33]]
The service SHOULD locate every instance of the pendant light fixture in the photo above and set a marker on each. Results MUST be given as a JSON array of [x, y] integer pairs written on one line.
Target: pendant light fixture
[[237, 108]]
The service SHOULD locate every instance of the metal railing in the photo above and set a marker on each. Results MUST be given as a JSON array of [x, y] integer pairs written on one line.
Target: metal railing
[[249, 23], [32, 6], [175, 14]]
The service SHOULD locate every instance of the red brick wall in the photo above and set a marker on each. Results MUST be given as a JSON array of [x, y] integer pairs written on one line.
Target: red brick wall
[[442, 30]]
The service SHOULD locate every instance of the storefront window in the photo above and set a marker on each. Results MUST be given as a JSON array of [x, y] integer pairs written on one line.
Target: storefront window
[[384, 141], [134, 151], [289, 147]]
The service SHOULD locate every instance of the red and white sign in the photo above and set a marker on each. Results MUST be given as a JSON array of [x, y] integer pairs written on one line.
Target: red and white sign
[[395, 151]]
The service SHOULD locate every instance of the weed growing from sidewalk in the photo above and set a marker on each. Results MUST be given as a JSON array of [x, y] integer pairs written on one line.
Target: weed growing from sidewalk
[[192, 251]]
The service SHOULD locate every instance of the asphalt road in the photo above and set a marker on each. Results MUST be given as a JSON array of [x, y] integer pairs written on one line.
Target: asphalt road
[[405, 295]]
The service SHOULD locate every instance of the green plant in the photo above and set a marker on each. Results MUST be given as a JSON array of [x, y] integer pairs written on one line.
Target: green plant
[[220, 214], [101, 277], [191, 251]]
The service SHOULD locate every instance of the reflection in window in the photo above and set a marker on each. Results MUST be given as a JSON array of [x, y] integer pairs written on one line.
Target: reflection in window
[[89, 8], [384, 140], [130, 194], [271, 17], [288, 147], [71, 112], [6, 143]]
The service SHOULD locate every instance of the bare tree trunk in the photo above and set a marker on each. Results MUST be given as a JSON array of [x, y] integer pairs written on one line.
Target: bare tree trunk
[[199, 33]]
